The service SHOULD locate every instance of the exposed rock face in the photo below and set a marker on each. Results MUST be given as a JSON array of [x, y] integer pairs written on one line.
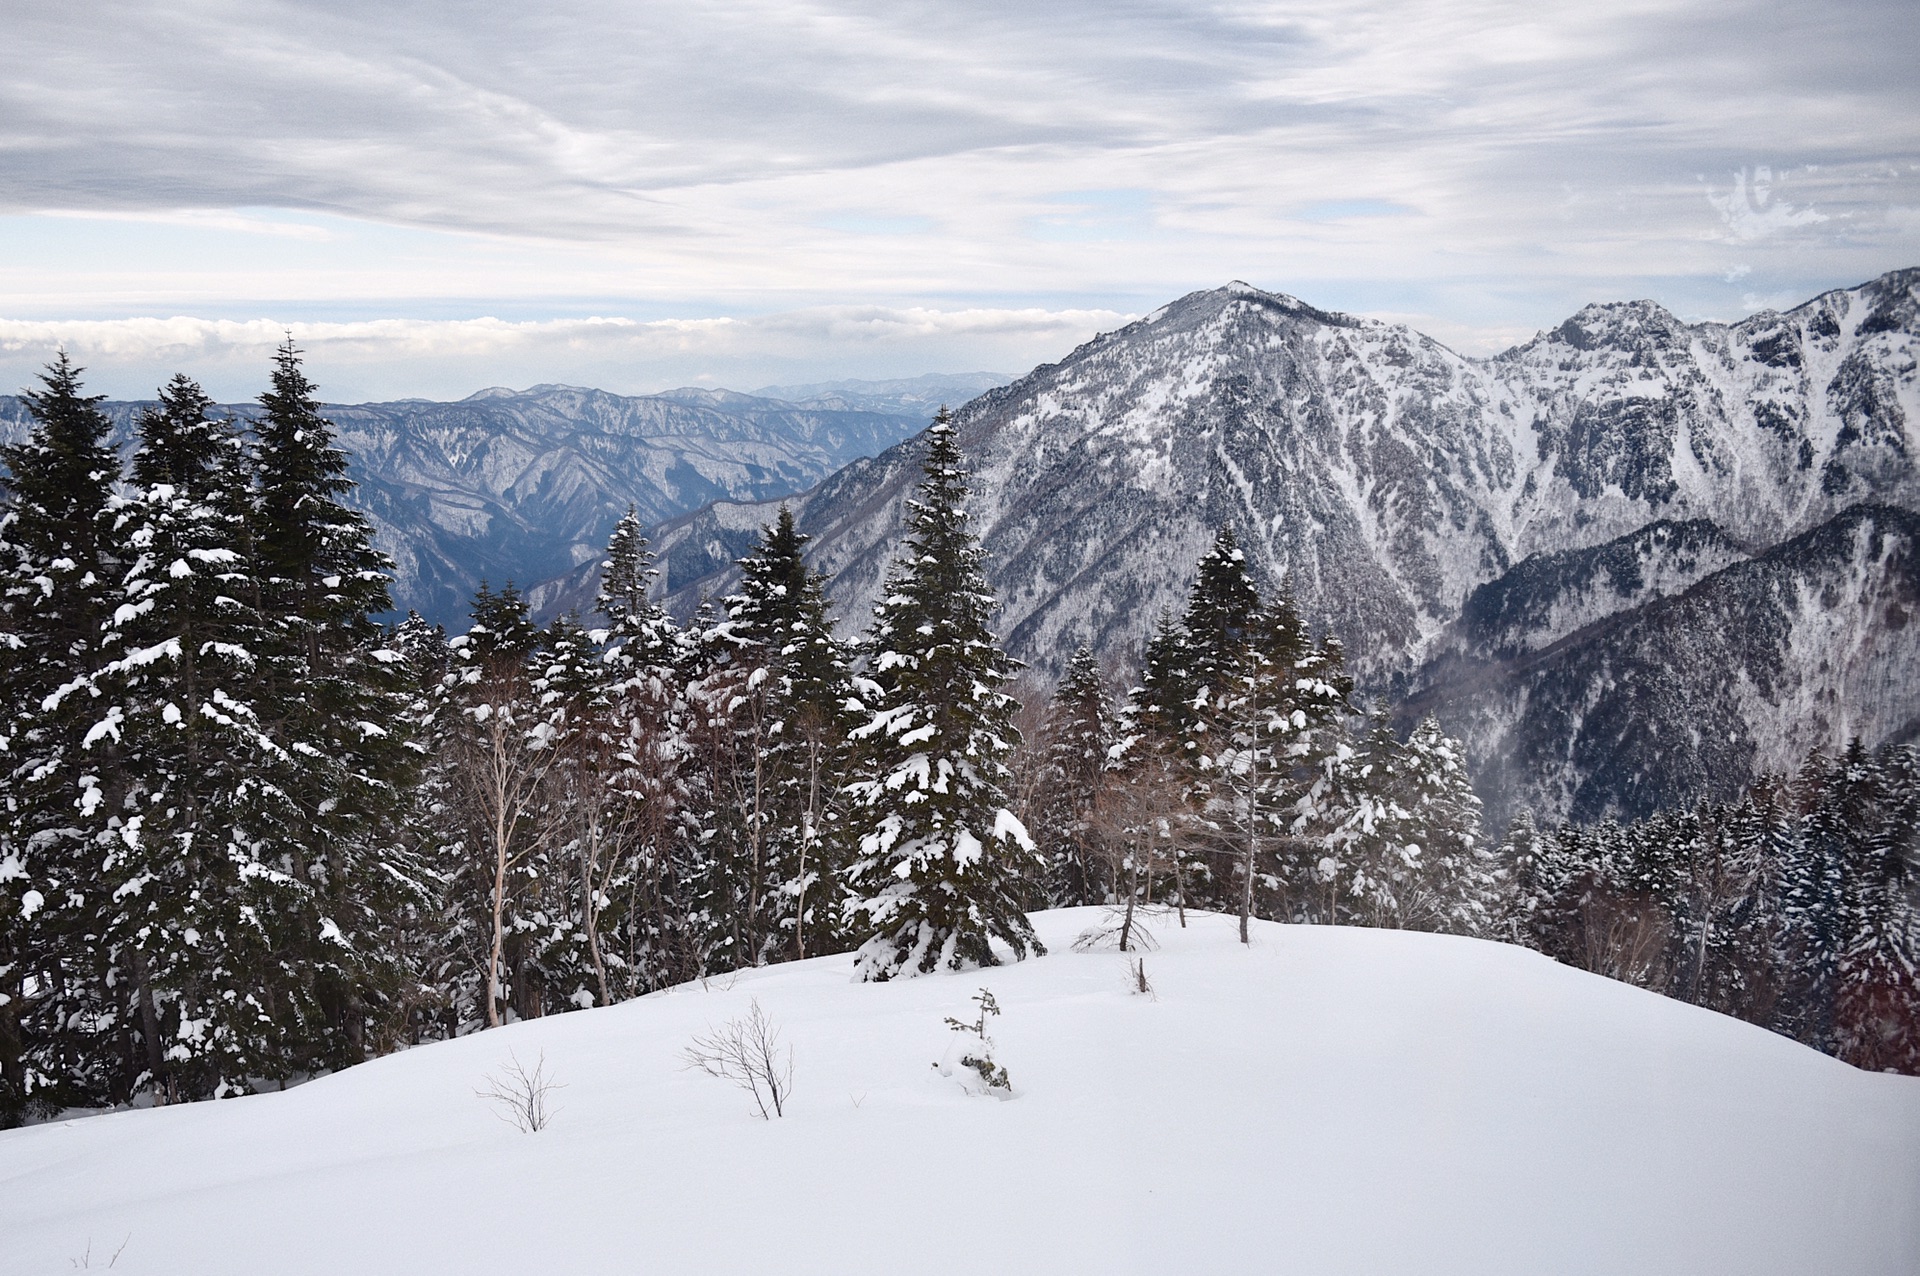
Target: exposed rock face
[[1680, 697], [1395, 485]]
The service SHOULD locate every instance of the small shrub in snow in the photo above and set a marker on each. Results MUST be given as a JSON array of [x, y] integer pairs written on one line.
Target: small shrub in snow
[[1120, 929], [747, 1052], [523, 1097], [1137, 980], [969, 1059], [85, 1261]]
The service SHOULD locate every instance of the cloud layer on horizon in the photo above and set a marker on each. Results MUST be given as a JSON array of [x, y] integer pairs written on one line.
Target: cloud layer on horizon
[[450, 358]]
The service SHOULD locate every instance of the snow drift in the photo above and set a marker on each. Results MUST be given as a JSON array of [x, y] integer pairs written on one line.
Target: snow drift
[[1328, 1100]]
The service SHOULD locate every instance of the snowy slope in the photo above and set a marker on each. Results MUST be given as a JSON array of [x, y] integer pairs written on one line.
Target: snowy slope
[[1328, 1101]]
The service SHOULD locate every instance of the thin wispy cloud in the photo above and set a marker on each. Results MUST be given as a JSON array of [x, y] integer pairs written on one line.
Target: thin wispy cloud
[[452, 357], [1479, 166]]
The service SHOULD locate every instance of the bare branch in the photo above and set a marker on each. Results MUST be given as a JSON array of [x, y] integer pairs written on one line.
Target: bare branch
[[521, 1096], [747, 1052]]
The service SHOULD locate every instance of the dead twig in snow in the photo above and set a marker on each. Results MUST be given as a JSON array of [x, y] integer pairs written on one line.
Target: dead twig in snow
[[747, 1052], [523, 1097]]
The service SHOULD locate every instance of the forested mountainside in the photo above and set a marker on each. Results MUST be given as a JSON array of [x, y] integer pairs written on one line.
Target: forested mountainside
[[1387, 479], [1807, 645], [522, 485]]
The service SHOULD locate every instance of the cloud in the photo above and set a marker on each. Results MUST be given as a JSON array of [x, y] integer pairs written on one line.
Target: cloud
[[1505, 158], [383, 357]]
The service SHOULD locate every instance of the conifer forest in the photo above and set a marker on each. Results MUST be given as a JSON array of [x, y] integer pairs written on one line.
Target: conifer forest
[[255, 831]]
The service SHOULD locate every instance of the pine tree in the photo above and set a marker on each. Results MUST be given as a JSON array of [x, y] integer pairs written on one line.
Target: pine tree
[[338, 699], [189, 906], [941, 861], [789, 686], [1814, 930], [1079, 735], [428, 1005], [644, 687], [1372, 867], [502, 739], [564, 905], [1876, 1009], [1457, 883], [65, 1023]]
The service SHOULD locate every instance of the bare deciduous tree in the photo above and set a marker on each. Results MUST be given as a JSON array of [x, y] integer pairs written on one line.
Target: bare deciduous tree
[[746, 1051], [523, 1098]]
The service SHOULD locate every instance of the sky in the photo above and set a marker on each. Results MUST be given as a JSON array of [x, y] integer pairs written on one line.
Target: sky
[[438, 198]]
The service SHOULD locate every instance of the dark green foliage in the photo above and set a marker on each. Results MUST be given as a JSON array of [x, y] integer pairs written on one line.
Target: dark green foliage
[[1255, 713], [198, 903], [781, 684], [1080, 734], [941, 861], [339, 697], [1797, 907], [61, 1023]]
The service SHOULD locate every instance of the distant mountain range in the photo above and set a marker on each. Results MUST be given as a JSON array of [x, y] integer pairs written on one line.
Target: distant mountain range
[[524, 484], [1541, 547], [1630, 561]]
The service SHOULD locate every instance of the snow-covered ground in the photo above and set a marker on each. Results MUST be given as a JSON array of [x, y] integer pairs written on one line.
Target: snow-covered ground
[[1329, 1100]]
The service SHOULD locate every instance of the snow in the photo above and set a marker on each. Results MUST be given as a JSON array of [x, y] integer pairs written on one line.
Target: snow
[[1329, 1100]]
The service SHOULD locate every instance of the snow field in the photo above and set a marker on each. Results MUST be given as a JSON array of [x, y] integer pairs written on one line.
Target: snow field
[[1330, 1100]]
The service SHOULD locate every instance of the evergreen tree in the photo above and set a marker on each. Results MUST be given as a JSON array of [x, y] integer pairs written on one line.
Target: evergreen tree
[[338, 697], [645, 690], [1457, 882], [941, 861], [1080, 733], [1814, 930], [65, 1025], [427, 1005], [789, 686], [191, 908], [502, 739], [1158, 707], [1876, 1013]]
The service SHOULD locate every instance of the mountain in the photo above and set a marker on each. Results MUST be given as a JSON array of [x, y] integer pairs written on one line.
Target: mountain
[[525, 484], [906, 396], [1385, 477], [1688, 693], [1359, 1101]]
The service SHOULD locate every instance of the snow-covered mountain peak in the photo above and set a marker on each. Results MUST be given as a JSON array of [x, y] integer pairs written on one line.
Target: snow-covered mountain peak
[[1384, 475]]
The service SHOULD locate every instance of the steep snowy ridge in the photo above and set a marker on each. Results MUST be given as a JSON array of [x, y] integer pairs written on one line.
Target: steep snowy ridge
[[1548, 596], [1386, 474], [1685, 697], [1325, 1101], [1383, 476]]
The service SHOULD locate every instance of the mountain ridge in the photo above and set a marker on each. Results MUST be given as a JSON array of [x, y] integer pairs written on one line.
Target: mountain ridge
[[1384, 476], [523, 484]]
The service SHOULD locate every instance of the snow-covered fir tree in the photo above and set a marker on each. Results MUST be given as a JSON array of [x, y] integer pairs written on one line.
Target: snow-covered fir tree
[[501, 742], [1075, 772], [941, 860], [1410, 836], [64, 1027], [340, 701], [1256, 713], [197, 901], [786, 683], [644, 663]]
